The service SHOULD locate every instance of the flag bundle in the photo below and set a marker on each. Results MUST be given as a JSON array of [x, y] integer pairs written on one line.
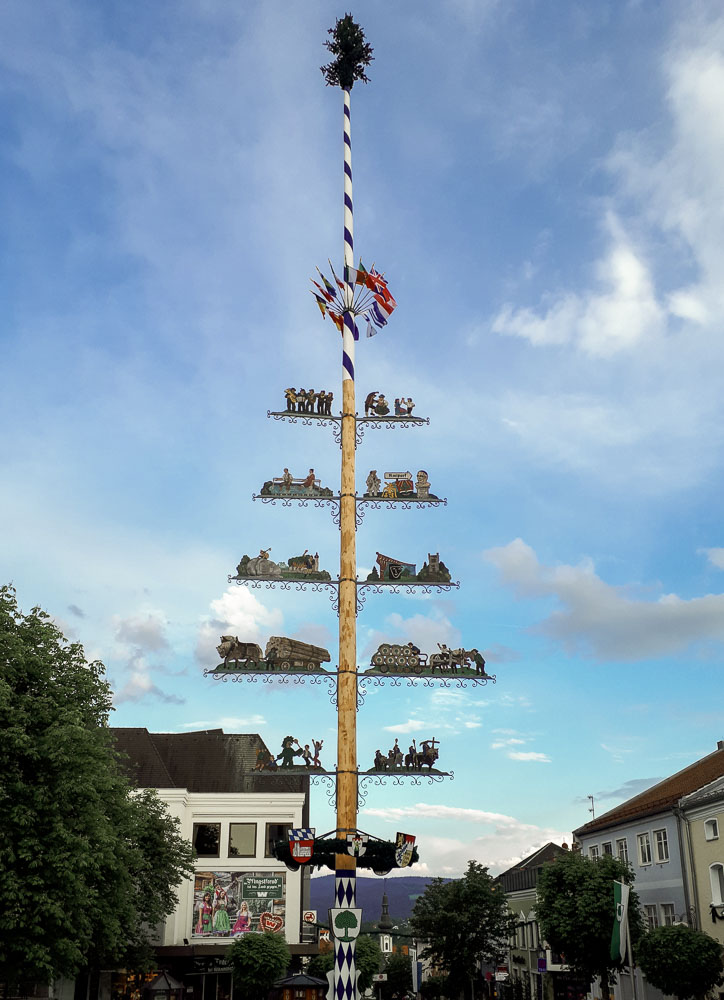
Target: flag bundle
[[370, 300]]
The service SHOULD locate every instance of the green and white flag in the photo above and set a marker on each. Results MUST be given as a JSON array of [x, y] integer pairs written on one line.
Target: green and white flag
[[620, 924]]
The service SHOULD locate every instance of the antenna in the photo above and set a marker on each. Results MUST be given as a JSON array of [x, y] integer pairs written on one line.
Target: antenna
[[591, 807]]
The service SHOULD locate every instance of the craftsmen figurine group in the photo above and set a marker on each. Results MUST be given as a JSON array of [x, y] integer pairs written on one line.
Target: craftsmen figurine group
[[303, 400]]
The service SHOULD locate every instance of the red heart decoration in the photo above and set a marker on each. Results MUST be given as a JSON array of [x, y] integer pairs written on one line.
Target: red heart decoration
[[270, 922]]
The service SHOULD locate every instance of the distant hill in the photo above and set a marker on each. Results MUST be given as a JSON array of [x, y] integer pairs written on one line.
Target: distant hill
[[401, 894]]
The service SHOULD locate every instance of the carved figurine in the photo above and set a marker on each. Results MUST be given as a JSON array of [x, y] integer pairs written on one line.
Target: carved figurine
[[373, 484], [261, 566], [303, 567], [288, 752], [409, 406], [422, 485], [381, 407], [290, 397], [288, 485], [231, 649], [317, 749], [370, 403], [395, 570]]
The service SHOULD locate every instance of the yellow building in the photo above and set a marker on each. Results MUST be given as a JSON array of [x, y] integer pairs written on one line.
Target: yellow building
[[702, 814]]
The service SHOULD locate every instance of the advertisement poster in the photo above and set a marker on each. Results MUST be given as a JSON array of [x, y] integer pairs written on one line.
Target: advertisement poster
[[228, 904]]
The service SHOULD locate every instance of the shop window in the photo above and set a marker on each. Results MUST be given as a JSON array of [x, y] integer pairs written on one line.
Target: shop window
[[207, 837], [242, 840], [274, 832]]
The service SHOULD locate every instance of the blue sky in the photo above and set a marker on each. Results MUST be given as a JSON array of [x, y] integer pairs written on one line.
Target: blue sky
[[542, 185]]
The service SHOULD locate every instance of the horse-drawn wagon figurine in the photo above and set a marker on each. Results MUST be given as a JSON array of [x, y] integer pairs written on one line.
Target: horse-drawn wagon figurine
[[391, 658], [282, 655]]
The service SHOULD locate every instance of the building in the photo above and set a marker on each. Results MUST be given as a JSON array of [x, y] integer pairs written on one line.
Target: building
[[648, 831], [702, 814], [232, 815], [534, 971]]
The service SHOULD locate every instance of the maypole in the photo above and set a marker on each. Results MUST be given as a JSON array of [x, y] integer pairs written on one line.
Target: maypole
[[352, 54]]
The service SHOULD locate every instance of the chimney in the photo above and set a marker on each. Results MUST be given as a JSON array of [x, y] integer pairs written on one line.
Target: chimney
[[720, 744]]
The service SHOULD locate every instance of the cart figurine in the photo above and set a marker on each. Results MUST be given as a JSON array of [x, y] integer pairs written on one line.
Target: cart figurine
[[303, 567], [396, 571], [399, 486], [301, 487], [414, 760], [407, 659], [282, 655], [308, 401]]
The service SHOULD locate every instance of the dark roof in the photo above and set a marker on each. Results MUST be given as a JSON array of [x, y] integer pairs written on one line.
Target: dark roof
[[300, 981], [709, 794], [524, 875], [206, 761], [663, 796]]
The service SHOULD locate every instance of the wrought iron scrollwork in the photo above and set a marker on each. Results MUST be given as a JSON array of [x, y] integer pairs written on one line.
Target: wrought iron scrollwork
[[382, 587], [376, 503], [329, 781], [308, 419]]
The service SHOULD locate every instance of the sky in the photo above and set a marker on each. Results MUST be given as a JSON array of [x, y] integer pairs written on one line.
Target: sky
[[542, 186]]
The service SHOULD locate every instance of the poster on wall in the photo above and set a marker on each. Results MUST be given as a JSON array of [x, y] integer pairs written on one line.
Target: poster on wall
[[228, 904]]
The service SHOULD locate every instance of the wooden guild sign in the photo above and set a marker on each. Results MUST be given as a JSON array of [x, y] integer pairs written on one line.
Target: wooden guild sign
[[395, 570]]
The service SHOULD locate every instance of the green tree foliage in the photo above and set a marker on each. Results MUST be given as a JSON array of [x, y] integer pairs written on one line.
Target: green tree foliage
[[576, 911], [462, 921], [680, 961], [85, 866], [433, 988], [257, 961], [367, 958], [352, 54], [398, 969]]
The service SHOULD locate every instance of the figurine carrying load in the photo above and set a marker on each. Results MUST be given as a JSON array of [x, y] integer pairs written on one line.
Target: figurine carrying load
[[407, 659], [424, 757]]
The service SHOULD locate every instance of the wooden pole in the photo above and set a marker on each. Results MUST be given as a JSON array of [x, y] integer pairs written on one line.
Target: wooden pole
[[345, 980]]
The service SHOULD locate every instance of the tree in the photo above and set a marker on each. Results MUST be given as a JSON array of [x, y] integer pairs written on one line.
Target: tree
[[576, 911], [367, 959], [463, 922], [352, 54], [398, 969], [680, 961], [257, 961], [85, 866]]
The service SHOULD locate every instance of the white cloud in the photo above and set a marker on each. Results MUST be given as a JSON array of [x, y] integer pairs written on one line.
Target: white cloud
[[500, 842], [604, 620], [617, 318], [236, 612], [715, 557], [529, 755], [230, 723], [143, 631], [140, 685]]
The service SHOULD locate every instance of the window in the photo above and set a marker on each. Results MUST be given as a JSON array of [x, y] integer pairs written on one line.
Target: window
[[711, 829], [608, 849], [662, 846], [652, 916], [622, 850], [386, 943], [274, 832], [242, 840], [206, 839], [593, 852], [644, 842], [668, 914], [716, 877]]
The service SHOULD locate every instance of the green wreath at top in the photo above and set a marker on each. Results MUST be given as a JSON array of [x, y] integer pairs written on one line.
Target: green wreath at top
[[378, 856]]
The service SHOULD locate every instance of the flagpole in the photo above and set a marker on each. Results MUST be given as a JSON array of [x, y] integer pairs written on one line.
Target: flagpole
[[631, 965], [345, 979]]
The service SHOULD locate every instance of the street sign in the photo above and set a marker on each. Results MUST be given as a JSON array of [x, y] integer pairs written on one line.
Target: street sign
[[379, 977]]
